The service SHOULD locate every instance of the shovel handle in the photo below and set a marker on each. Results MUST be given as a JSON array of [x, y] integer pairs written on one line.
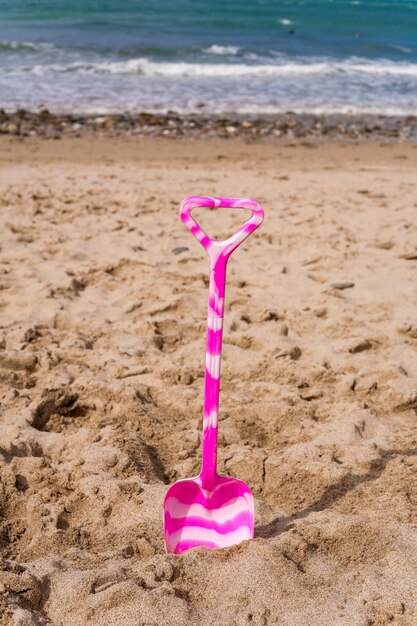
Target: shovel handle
[[219, 252], [223, 248]]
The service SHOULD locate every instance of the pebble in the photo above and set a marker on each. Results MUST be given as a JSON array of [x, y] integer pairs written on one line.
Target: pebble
[[341, 286], [366, 344], [179, 250]]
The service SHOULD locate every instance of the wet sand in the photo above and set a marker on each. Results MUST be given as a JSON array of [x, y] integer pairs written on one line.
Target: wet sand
[[102, 336]]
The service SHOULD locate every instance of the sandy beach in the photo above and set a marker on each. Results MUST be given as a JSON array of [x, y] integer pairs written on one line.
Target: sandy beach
[[103, 298]]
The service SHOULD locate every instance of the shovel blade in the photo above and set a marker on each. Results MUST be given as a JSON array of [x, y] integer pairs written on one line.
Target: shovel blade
[[215, 518]]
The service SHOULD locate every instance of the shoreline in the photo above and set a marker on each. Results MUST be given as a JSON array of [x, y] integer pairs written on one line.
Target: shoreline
[[281, 127]]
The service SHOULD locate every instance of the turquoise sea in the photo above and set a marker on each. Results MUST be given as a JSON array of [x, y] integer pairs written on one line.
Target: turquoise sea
[[247, 56]]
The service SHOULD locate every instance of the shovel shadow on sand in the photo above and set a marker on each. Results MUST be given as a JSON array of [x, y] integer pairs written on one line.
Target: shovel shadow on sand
[[333, 493]]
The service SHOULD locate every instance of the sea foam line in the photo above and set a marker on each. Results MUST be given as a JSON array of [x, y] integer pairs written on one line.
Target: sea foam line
[[145, 67]]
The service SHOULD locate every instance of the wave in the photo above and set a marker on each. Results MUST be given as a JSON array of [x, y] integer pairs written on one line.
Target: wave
[[222, 50], [21, 45], [146, 67]]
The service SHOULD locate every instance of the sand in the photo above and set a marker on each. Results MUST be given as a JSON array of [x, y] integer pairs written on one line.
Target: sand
[[102, 308]]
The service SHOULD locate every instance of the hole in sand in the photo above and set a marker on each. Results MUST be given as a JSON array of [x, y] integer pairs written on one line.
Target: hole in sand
[[56, 410]]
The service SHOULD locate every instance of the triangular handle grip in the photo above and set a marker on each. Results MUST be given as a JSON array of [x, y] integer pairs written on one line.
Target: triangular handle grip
[[226, 247]]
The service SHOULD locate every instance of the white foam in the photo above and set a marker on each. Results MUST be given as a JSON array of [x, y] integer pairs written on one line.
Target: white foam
[[222, 50], [18, 45], [145, 67]]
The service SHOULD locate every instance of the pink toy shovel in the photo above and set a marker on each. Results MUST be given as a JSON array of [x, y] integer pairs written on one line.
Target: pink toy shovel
[[211, 510]]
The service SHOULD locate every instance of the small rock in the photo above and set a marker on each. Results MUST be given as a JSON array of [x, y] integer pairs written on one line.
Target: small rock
[[295, 353], [366, 344], [341, 286], [283, 330], [320, 311], [179, 250], [409, 256]]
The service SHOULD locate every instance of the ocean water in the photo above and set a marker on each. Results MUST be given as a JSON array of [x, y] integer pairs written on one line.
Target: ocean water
[[211, 56]]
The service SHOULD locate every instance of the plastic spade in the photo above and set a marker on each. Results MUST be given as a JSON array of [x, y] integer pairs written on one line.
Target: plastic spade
[[211, 510]]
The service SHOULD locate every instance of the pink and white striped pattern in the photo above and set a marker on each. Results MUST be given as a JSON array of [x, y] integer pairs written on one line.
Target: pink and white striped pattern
[[211, 510]]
